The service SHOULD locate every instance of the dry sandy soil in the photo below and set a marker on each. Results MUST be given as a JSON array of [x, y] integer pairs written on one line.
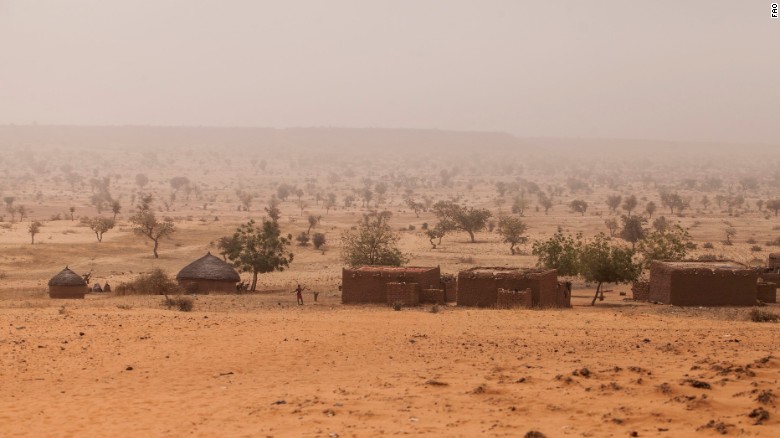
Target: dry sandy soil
[[259, 365]]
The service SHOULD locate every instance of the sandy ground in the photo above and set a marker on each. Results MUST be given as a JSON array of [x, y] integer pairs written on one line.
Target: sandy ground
[[258, 365]]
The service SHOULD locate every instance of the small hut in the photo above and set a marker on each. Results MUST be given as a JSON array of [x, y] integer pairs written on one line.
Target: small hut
[[721, 283], [67, 284], [479, 286], [368, 284], [208, 273]]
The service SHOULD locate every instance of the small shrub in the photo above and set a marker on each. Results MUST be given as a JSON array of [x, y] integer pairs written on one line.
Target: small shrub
[[756, 248], [761, 315], [691, 246], [303, 239], [424, 226], [707, 258], [435, 308], [124, 306], [467, 260], [397, 305], [751, 241], [156, 282], [182, 303], [412, 228], [318, 240], [708, 245]]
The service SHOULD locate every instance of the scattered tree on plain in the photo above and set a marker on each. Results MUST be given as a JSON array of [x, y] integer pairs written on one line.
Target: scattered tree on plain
[[258, 249], [578, 206], [145, 223], [457, 217], [373, 242], [33, 229], [512, 229], [101, 225]]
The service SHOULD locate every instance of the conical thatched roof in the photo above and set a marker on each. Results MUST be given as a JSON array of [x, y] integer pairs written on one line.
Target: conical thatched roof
[[67, 278], [209, 267]]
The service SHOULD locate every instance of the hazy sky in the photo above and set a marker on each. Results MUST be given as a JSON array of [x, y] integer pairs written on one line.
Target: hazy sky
[[677, 70]]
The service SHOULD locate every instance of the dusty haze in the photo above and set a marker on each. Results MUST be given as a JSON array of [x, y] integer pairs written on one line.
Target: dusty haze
[[696, 70]]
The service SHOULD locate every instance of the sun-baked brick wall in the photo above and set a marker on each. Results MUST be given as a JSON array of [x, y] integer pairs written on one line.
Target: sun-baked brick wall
[[767, 292], [432, 296], [406, 293], [702, 284], [479, 286], [366, 284], [513, 299], [641, 290]]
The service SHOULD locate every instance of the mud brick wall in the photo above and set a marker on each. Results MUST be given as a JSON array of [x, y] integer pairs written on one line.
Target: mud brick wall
[[769, 277], [479, 286], [767, 292], [367, 285], [407, 293], [206, 286], [702, 286], [774, 261], [450, 289], [564, 294], [510, 299], [432, 296], [641, 290]]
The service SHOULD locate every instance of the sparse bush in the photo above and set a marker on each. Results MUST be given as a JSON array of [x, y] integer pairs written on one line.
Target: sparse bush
[[412, 228], [467, 260], [707, 258], [318, 239], [397, 305], [761, 315], [303, 239], [707, 245], [751, 241], [182, 303], [156, 282], [435, 308], [756, 248], [424, 226]]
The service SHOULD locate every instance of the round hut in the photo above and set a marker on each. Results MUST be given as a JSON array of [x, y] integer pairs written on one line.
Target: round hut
[[67, 284], [207, 274]]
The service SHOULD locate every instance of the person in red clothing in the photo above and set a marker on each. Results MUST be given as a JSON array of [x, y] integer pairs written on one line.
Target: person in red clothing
[[299, 294]]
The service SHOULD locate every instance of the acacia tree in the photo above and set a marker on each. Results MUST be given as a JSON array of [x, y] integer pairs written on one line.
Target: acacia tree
[[667, 243], [258, 249], [613, 202], [457, 217], [373, 242], [633, 229], [116, 208], [602, 262], [33, 229], [578, 206], [101, 225], [145, 223], [512, 229], [545, 202], [650, 209], [629, 204], [313, 222], [559, 252], [774, 205]]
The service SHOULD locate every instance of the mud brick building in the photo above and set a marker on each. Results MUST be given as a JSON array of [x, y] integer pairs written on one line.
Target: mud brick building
[[479, 286], [368, 284], [703, 284]]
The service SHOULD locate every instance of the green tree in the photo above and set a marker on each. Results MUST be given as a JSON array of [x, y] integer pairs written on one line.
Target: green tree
[[373, 242], [774, 205], [258, 249], [468, 219], [318, 239], [669, 243], [650, 209], [602, 262], [559, 252], [633, 229], [512, 229]]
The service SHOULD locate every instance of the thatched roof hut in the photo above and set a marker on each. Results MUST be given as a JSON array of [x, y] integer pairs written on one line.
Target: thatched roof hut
[[67, 284], [208, 273]]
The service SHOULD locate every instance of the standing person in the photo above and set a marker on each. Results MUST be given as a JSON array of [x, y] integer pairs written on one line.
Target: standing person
[[299, 294]]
